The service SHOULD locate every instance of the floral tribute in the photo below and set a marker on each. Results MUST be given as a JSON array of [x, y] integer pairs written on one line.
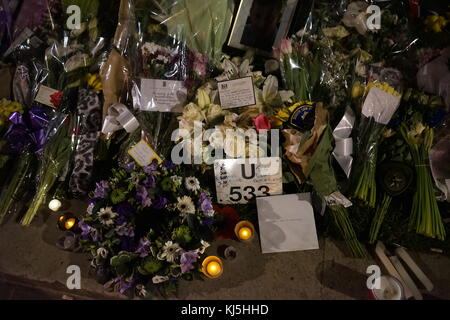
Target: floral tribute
[[147, 228]]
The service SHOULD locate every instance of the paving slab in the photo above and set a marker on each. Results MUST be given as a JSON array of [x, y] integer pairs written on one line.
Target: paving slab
[[29, 253]]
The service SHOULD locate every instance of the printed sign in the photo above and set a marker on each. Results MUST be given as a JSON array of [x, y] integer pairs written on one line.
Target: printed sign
[[162, 95], [237, 93], [143, 154], [242, 180]]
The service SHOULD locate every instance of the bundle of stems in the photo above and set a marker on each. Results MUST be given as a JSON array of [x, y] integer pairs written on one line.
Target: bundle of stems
[[366, 161], [17, 179], [56, 157], [425, 216], [378, 219], [343, 223]]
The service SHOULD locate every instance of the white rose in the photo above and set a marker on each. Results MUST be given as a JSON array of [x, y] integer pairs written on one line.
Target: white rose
[[193, 112], [214, 111]]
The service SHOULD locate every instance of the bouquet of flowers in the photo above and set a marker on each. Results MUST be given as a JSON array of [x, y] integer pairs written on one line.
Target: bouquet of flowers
[[147, 228], [381, 102], [226, 128], [425, 216]]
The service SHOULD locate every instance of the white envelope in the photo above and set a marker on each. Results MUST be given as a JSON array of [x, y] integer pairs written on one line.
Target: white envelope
[[286, 223]]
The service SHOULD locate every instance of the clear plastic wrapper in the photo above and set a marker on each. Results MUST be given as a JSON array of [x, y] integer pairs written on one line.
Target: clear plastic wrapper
[[382, 99], [55, 159]]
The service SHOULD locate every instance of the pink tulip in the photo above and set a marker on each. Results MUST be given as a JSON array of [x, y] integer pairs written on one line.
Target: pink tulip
[[261, 122], [286, 46]]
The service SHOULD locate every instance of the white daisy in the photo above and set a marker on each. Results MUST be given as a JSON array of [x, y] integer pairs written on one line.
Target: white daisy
[[159, 279], [185, 205], [106, 216], [177, 180], [169, 252], [192, 184]]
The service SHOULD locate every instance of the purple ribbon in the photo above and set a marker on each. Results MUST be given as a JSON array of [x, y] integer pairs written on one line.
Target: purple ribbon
[[28, 135]]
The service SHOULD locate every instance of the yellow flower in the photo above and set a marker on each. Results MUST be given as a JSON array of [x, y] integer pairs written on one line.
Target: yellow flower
[[383, 86], [94, 82], [357, 90], [435, 23]]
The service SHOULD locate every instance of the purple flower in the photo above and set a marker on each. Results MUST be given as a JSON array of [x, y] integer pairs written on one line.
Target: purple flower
[[159, 203], [123, 284], [169, 165], [150, 181], [125, 231], [151, 168], [124, 210], [142, 196], [130, 166], [85, 229], [187, 260], [101, 190], [143, 247], [207, 221], [205, 203]]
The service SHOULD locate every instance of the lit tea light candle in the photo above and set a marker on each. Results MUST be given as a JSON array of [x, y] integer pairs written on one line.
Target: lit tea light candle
[[67, 222], [212, 267], [54, 205], [244, 231]]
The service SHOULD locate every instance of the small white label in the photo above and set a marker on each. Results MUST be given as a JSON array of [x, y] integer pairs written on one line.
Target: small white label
[[162, 95], [44, 95], [143, 154], [237, 93], [242, 180]]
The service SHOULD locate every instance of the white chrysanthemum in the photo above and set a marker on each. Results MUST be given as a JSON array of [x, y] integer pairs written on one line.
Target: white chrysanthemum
[[177, 180], [170, 252], [192, 184], [106, 216], [185, 205], [159, 279]]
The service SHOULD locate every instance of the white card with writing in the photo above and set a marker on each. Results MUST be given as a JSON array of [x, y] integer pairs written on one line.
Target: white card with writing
[[44, 95], [380, 105], [237, 93], [143, 154], [162, 95], [242, 180], [286, 223]]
